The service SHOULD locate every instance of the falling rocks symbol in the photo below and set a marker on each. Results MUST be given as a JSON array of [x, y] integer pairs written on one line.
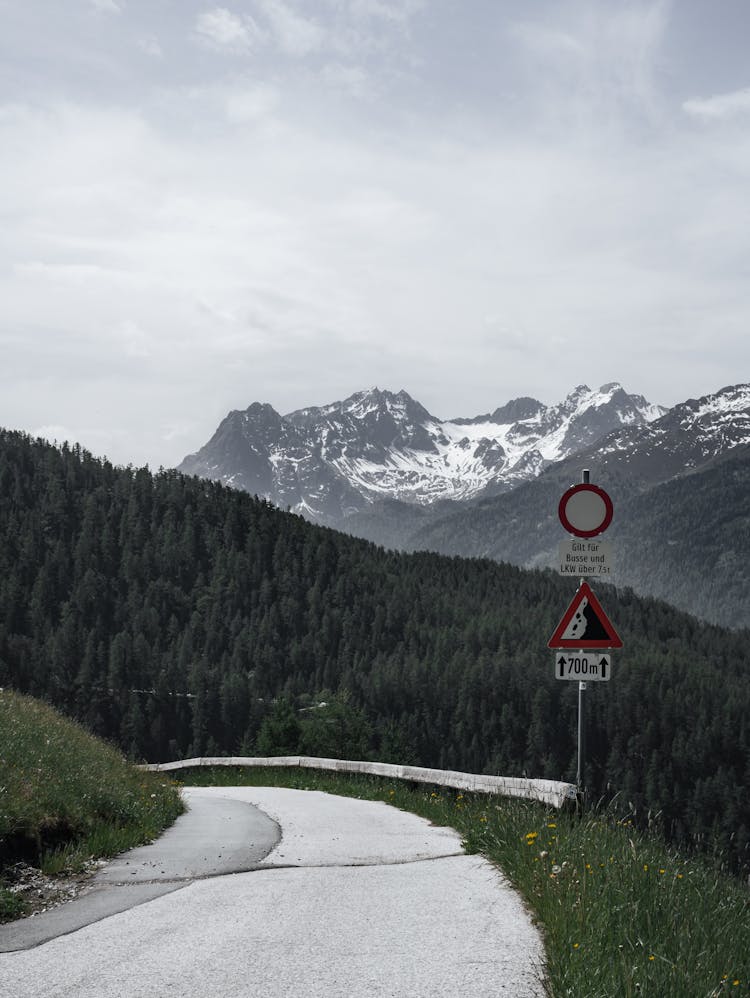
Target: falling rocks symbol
[[585, 625]]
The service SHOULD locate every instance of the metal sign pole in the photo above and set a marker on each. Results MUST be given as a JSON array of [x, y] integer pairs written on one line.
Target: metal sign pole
[[585, 635], [580, 773]]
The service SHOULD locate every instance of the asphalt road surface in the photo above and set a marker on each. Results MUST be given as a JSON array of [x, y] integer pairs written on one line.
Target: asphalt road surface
[[353, 899]]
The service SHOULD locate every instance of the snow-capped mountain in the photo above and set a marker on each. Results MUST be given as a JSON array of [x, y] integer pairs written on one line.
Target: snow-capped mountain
[[685, 438], [331, 461]]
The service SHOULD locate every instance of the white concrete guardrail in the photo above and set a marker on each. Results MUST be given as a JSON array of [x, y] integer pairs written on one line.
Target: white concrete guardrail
[[552, 792]]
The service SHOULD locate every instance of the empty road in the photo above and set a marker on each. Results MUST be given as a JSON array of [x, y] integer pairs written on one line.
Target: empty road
[[341, 898]]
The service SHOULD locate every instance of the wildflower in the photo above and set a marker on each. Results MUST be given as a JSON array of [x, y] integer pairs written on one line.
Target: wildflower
[[576, 945], [551, 824], [652, 957], [645, 867], [556, 868], [662, 871]]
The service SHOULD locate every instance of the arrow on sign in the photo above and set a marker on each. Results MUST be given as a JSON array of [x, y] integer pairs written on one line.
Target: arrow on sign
[[603, 666], [561, 665]]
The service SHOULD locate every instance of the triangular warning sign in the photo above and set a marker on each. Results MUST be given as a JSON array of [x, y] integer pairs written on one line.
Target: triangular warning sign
[[585, 624]]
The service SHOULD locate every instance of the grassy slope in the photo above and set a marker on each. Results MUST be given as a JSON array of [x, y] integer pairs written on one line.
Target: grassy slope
[[622, 914], [66, 796]]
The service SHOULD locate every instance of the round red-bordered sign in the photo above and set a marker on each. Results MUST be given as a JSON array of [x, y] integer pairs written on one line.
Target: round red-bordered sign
[[585, 510]]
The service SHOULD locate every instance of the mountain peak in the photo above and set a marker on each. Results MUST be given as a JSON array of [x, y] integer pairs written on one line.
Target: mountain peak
[[524, 407], [398, 405], [261, 409]]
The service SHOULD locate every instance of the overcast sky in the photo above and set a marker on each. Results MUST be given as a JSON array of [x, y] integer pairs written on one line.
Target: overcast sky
[[288, 201]]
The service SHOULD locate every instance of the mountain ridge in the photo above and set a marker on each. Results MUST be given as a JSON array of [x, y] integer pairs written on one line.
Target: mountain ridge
[[334, 461]]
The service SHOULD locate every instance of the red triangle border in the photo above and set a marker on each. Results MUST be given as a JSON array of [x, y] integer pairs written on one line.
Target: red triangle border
[[558, 641]]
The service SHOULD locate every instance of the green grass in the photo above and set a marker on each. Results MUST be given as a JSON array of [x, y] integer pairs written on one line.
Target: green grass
[[67, 797], [11, 906], [622, 914]]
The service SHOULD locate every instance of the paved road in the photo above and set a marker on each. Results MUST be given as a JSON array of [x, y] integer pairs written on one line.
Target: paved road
[[356, 900], [217, 835]]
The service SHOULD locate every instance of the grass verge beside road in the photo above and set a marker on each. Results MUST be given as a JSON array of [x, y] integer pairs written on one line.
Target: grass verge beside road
[[622, 914], [67, 798]]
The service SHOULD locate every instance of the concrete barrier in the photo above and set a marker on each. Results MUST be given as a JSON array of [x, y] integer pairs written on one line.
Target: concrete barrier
[[552, 792]]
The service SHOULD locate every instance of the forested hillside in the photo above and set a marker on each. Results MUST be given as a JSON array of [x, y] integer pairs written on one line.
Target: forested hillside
[[169, 614], [688, 541]]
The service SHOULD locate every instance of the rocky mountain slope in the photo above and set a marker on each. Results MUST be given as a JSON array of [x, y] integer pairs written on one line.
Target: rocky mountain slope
[[337, 461]]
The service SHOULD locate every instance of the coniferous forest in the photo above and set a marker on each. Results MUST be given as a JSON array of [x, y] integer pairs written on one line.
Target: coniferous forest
[[177, 617]]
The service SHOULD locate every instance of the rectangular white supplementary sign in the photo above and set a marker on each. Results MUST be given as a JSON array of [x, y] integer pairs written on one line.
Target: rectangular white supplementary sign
[[587, 666], [581, 557]]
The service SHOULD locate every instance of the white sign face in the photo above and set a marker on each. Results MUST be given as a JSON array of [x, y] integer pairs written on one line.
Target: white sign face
[[584, 666], [585, 557], [585, 510]]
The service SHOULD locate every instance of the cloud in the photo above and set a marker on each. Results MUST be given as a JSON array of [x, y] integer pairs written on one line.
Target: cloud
[[597, 60], [106, 6], [400, 11], [545, 41], [134, 340], [720, 106], [294, 34], [221, 29], [149, 44], [353, 80], [251, 103]]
